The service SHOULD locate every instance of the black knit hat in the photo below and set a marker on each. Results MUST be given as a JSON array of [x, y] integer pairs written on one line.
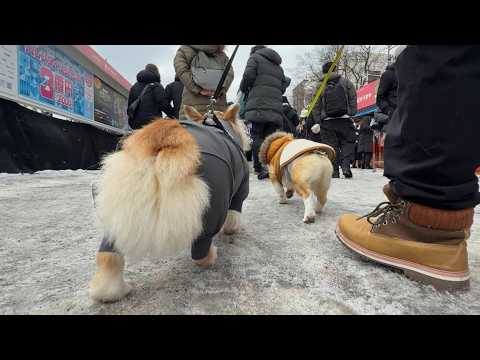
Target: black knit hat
[[326, 66], [152, 68]]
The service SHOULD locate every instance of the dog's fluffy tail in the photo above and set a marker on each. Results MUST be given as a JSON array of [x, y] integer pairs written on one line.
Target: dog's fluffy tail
[[150, 200]]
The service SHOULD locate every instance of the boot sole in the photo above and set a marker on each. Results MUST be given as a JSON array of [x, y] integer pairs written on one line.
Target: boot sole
[[440, 279]]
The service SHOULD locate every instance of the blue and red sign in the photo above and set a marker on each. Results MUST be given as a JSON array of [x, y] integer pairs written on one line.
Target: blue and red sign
[[47, 76]]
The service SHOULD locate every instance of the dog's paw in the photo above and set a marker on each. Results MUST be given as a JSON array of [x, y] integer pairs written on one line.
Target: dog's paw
[[318, 207], [289, 194], [209, 260], [102, 290], [308, 219], [232, 223], [107, 284]]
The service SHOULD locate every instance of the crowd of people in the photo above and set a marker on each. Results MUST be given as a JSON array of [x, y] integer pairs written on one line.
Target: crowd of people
[[431, 150], [263, 104]]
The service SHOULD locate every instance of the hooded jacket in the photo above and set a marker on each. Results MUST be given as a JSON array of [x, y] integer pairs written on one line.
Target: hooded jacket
[[264, 83], [191, 91], [319, 112], [387, 91], [153, 103]]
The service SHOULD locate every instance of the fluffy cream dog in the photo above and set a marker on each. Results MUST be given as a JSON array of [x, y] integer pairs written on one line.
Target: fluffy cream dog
[[299, 165], [173, 185]]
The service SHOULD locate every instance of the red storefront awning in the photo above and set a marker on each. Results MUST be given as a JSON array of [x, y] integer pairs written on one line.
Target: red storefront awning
[[367, 95]]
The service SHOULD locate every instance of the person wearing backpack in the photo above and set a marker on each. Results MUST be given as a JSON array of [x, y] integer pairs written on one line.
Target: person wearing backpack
[[147, 99], [332, 113], [265, 83], [199, 68], [173, 92]]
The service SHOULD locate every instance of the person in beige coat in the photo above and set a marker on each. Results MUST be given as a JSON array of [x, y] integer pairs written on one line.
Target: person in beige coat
[[193, 94]]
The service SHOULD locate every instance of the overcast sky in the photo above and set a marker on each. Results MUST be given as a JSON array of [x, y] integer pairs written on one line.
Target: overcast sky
[[130, 59]]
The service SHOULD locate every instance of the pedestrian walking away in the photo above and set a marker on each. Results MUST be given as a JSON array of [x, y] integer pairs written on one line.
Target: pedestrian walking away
[[333, 113], [365, 143], [153, 102], [265, 82], [173, 93]]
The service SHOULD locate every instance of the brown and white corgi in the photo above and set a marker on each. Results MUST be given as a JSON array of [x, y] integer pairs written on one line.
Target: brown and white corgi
[[299, 165], [173, 185]]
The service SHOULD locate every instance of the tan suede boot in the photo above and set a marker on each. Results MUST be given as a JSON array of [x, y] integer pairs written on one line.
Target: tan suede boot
[[427, 244]]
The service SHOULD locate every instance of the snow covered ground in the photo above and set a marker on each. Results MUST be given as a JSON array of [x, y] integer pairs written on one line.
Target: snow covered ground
[[276, 265]]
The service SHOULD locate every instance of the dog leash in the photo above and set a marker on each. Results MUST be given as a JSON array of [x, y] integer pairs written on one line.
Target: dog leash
[[210, 115]]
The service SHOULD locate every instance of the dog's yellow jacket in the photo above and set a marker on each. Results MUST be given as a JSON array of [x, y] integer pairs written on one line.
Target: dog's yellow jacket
[[276, 148]]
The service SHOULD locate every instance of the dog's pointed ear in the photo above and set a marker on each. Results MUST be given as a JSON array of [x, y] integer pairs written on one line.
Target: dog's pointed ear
[[193, 114], [231, 113]]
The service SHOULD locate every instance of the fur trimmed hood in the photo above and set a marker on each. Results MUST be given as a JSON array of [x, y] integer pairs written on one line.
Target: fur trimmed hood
[[265, 153]]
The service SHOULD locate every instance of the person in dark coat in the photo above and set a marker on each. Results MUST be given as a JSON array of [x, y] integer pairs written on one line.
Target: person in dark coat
[[365, 143], [337, 131], [154, 101], [357, 158], [173, 93], [387, 91], [290, 115], [264, 83]]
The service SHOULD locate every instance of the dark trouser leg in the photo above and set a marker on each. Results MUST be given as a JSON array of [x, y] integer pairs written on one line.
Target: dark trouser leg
[[257, 137], [347, 139], [432, 147], [329, 137], [364, 160], [259, 133], [367, 158]]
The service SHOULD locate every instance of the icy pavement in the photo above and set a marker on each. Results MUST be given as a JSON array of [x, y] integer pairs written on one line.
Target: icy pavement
[[276, 265]]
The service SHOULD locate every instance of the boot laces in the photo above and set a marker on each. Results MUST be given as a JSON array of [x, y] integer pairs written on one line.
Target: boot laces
[[385, 213]]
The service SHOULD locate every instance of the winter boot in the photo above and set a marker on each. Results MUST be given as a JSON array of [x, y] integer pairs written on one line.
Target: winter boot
[[336, 173], [347, 173], [263, 175], [427, 244]]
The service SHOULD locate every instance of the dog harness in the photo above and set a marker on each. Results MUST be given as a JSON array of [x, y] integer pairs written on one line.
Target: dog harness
[[284, 150]]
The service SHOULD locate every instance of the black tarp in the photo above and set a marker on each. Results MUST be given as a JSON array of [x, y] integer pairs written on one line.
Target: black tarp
[[30, 141]]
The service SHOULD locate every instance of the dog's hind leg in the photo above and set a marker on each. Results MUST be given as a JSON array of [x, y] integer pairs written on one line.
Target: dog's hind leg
[[277, 186], [309, 200], [232, 223], [321, 190], [208, 260], [108, 285], [303, 189]]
